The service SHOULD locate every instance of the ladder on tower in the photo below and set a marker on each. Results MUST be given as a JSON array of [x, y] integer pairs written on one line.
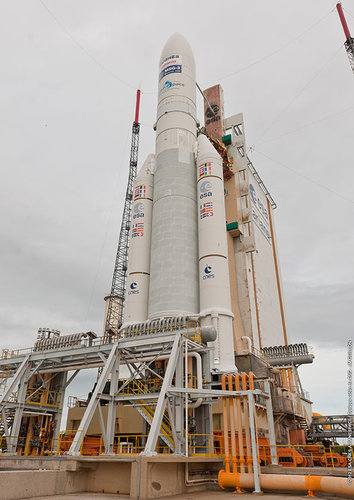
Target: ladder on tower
[[115, 300]]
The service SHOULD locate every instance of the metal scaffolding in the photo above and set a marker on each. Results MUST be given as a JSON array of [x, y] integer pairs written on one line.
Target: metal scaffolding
[[165, 404], [115, 300]]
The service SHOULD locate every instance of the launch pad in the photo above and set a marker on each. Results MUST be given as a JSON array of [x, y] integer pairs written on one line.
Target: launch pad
[[194, 366]]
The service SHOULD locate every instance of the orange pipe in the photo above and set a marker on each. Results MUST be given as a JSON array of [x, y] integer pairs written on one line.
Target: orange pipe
[[285, 378], [226, 427], [232, 424], [239, 424], [327, 484], [247, 423], [251, 377], [291, 380], [277, 274], [251, 380]]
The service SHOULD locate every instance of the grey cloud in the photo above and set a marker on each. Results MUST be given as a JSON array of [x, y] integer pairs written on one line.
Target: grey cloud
[[318, 314]]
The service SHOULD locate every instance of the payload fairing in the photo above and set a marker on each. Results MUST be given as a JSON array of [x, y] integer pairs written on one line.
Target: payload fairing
[[186, 240]]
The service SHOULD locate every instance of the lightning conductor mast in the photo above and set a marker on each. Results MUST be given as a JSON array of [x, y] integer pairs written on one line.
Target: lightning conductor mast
[[115, 300], [349, 42]]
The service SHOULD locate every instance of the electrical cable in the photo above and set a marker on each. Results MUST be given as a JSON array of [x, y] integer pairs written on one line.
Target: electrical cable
[[80, 46], [296, 172], [307, 125], [347, 11], [271, 54], [269, 126]]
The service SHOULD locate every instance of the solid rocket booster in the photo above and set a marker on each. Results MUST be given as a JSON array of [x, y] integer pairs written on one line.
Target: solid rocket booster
[[215, 299], [138, 273], [174, 287]]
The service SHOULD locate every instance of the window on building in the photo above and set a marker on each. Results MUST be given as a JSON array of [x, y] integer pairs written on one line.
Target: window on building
[[238, 129]]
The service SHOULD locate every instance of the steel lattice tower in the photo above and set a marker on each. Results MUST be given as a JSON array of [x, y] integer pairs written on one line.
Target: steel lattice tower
[[349, 43], [115, 300]]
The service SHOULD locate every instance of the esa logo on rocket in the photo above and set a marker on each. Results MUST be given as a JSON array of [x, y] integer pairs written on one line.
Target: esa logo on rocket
[[138, 210], [205, 189]]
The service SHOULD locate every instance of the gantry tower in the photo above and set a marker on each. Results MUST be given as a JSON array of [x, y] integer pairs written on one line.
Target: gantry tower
[[115, 300]]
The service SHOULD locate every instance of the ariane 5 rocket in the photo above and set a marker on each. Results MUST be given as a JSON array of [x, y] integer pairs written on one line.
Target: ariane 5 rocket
[[177, 261]]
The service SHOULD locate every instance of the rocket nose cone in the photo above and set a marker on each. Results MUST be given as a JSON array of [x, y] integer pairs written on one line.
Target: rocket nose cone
[[204, 146], [176, 44], [147, 167]]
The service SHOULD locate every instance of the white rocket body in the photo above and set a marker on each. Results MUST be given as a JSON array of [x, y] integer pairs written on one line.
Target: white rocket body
[[215, 299], [174, 245], [172, 218], [138, 273]]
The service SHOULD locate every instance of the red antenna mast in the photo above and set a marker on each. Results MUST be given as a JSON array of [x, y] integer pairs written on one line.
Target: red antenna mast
[[349, 42], [137, 107]]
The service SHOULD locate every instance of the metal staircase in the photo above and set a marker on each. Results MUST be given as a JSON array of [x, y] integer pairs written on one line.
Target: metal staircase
[[147, 410]]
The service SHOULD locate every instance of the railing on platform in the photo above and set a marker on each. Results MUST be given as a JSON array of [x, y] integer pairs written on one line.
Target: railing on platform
[[150, 385], [35, 395]]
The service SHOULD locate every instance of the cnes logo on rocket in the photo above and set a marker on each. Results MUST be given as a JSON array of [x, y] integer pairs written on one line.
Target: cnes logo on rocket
[[133, 288], [208, 273]]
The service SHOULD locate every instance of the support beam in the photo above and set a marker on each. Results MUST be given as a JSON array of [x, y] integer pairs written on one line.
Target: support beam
[[95, 399], [16, 380], [59, 414], [271, 430], [257, 483], [161, 402], [71, 378], [179, 406], [103, 428], [21, 396], [111, 413], [4, 422]]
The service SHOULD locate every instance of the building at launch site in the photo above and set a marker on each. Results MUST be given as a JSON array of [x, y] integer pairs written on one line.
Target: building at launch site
[[197, 378]]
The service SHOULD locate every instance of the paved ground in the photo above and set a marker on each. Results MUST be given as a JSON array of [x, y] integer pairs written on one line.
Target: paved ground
[[202, 495]]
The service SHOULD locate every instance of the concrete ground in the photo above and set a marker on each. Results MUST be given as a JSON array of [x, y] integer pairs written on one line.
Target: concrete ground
[[201, 495]]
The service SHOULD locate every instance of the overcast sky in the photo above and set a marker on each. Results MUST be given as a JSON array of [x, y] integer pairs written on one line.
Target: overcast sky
[[69, 73]]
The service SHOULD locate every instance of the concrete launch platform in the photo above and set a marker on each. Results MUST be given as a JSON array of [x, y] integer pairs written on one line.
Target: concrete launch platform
[[117, 477], [202, 495]]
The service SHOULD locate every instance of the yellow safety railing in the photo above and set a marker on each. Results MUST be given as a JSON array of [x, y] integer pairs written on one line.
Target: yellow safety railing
[[4, 443], [34, 396], [93, 445], [65, 440], [151, 385], [202, 445]]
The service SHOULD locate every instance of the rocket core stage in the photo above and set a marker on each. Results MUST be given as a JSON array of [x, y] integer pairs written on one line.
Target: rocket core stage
[[187, 275]]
